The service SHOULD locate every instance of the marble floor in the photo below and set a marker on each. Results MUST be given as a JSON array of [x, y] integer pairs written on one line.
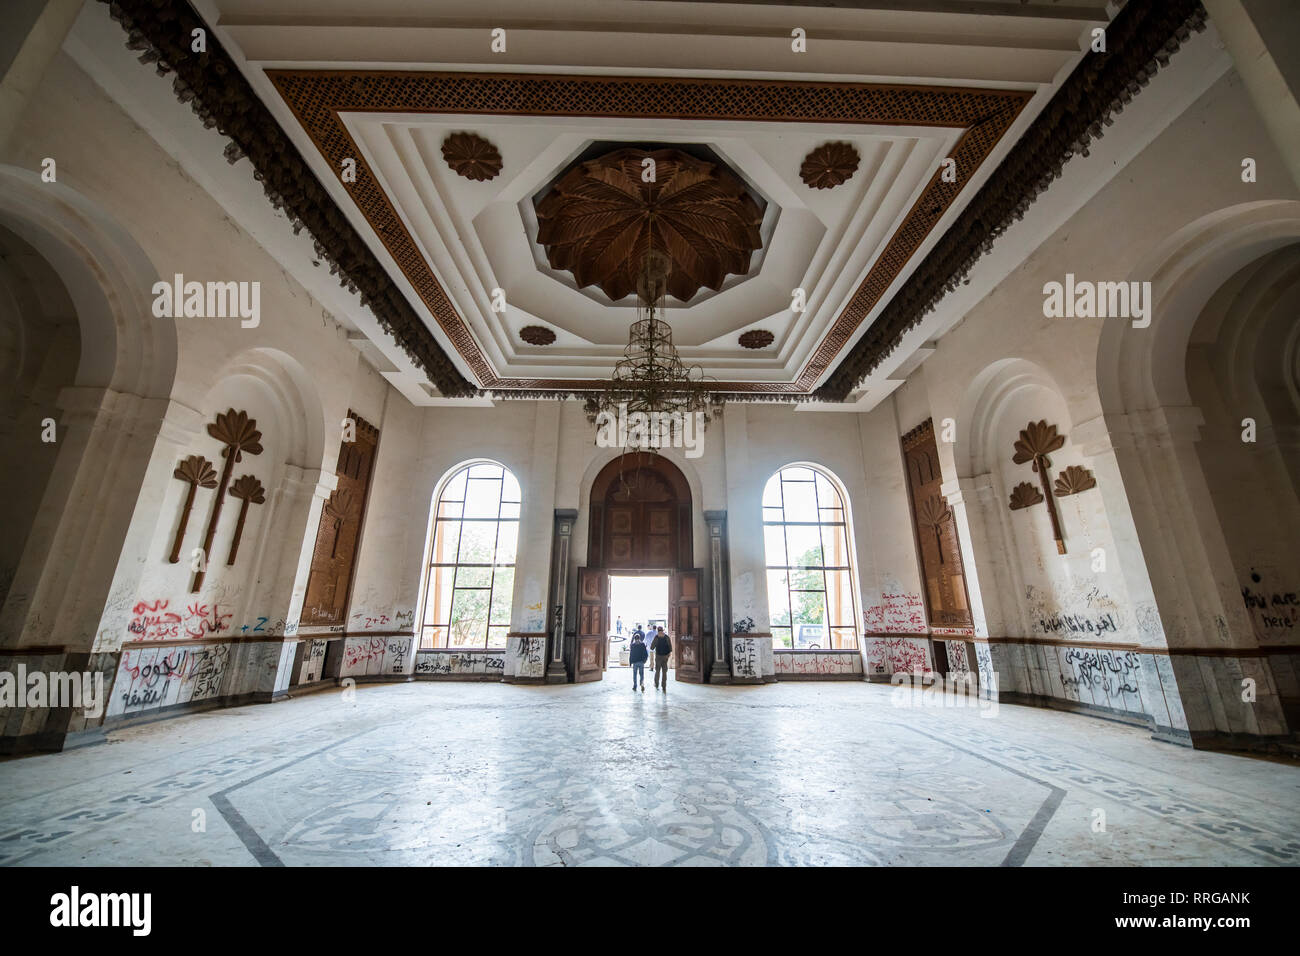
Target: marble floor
[[795, 773]]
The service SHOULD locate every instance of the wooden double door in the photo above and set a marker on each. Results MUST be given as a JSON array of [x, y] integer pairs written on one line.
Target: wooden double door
[[591, 651]]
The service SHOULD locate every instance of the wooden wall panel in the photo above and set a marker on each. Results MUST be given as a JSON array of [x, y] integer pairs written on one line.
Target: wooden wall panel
[[334, 558], [936, 531]]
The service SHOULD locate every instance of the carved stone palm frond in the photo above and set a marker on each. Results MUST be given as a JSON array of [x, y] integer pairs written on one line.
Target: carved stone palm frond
[[1073, 480], [197, 470], [1024, 495], [602, 217], [933, 511], [249, 489], [829, 165], [471, 156], [237, 432], [1036, 439]]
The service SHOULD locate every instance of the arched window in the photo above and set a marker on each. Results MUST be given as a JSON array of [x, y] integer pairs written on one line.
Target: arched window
[[809, 572], [472, 559]]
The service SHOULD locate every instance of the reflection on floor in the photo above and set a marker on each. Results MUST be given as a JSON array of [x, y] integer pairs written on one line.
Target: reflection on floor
[[445, 773]]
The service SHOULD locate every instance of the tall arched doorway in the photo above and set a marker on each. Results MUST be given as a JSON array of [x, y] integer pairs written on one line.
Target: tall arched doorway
[[640, 521]]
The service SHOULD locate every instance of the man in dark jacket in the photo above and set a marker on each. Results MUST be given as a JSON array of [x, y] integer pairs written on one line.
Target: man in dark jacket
[[662, 647], [637, 657]]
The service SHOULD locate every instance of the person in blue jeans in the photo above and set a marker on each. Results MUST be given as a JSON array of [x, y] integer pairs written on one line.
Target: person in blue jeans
[[637, 658]]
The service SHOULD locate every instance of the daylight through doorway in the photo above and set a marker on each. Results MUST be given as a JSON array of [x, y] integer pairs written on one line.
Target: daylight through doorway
[[634, 599]]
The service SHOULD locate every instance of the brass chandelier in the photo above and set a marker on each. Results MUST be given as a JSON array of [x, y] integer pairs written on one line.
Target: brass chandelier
[[650, 385]]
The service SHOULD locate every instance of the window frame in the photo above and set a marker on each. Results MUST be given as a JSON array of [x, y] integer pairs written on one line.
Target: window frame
[[426, 641], [788, 571]]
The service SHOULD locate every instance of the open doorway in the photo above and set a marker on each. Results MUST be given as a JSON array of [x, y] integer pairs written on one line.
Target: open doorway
[[634, 599]]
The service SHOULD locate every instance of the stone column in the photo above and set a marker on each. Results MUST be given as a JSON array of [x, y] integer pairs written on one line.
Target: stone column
[[559, 602], [718, 580]]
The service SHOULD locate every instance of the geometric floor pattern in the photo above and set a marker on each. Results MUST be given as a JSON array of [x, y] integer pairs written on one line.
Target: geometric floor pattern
[[595, 774]]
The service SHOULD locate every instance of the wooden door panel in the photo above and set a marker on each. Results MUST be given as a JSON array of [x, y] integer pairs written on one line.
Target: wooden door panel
[[688, 641], [592, 642]]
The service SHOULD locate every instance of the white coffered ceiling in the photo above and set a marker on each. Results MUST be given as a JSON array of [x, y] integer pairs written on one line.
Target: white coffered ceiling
[[479, 236]]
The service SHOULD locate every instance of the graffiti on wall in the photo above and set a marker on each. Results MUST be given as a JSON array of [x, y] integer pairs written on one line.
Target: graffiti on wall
[[895, 655], [817, 665], [1081, 610], [375, 655], [157, 620], [1274, 612], [745, 660], [455, 664], [530, 657], [958, 662], [155, 677], [897, 613], [1085, 672]]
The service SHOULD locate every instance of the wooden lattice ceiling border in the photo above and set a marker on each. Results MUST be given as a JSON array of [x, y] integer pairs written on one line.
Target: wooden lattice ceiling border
[[319, 98]]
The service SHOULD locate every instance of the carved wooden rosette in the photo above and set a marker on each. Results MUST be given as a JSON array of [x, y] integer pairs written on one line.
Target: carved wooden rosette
[[250, 491], [239, 434], [603, 216], [1038, 440], [471, 156], [197, 472], [829, 165]]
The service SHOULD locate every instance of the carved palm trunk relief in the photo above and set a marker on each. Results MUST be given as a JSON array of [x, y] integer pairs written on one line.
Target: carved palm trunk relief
[[249, 490], [197, 472], [239, 434]]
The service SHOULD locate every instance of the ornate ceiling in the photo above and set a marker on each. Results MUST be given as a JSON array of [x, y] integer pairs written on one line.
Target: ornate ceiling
[[605, 214], [795, 194]]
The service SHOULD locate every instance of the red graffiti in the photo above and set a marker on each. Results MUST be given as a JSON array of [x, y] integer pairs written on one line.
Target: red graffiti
[[896, 614]]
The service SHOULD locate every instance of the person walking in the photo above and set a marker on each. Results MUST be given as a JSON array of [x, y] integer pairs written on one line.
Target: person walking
[[662, 647], [637, 658]]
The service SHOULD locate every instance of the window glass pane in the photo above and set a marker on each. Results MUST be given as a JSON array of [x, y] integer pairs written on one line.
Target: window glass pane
[[446, 537], [839, 599], [800, 505], [773, 514], [796, 474], [844, 638], [781, 637], [468, 576], [437, 606], [450, 509], [835, 549], [485, 470], [807, 579], [510, 509], [478, 542], [483, 499], [497, 636], [503, 590], [803, 545], [808, 607], [434, 637], [469, 617], [507, 538], [455, 490], [510, 489], [827, 496]]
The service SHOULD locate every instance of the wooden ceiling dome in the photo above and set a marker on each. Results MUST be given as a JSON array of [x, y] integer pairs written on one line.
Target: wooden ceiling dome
[[600, 218]]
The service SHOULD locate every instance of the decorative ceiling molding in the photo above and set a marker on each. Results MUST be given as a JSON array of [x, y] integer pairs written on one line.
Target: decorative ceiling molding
[[829, 165], [218, 93], [756, 339], [603, 216], [471, 156], [319, 98], [1139, 41]]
